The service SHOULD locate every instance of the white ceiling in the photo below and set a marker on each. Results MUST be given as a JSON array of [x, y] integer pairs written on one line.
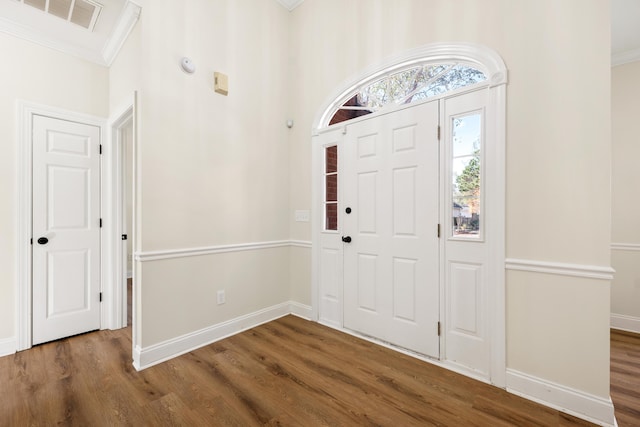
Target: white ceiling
[[101, 45], [119, 16], [625, 31]]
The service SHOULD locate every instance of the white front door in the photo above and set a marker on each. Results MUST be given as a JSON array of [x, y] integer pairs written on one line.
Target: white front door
[[391, 252], [66, 228]]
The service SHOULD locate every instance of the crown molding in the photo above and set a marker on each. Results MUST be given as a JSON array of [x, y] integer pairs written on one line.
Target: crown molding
[[290, 4], [96, 51], [23, 32], [121, 31], [625, 57]]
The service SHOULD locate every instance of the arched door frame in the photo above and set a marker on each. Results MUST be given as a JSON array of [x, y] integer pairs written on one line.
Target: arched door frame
[[488, 61]]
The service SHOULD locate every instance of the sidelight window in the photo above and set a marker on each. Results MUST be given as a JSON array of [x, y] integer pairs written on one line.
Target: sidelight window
[[466, 164], [331, 188]]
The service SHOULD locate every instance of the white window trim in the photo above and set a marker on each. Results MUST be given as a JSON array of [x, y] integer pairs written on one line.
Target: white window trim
[[478, 56], [448, 200]]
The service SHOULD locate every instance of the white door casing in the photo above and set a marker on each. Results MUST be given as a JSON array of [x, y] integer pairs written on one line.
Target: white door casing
[[122, 145], [66, 228], [117, 166], [126, 214], [391, 181]]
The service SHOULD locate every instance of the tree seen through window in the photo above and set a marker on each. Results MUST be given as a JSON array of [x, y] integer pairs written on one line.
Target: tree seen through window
[[410, 85]]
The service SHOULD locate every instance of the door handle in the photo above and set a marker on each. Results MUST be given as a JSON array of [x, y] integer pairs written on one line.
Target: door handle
[[346, 239], [43, 240]]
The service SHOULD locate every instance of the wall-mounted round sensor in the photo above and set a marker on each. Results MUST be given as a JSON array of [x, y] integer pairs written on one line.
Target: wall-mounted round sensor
[[187, 65]]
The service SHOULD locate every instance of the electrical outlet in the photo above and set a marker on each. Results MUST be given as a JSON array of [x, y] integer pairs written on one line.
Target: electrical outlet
[[221, 297]]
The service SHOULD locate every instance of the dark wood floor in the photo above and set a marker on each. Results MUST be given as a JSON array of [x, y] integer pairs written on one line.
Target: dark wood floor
[[289, 372], [625, 377]]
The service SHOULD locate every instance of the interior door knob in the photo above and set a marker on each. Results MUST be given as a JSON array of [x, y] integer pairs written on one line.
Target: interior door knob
[[346, 239], [43, 240]]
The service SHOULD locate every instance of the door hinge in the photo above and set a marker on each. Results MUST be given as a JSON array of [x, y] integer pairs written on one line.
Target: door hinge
[[438, 132], [438, 328], [100, 222], [100, 148], [101, 300], [32, 240], [438, 231]]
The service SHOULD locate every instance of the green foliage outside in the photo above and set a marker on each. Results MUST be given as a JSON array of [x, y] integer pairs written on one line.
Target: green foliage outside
[[468, 182]]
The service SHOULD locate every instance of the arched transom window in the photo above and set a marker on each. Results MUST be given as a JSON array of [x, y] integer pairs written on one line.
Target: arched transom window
[[412, 84]]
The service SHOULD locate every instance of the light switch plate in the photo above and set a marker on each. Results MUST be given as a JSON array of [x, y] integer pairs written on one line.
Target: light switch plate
[[302, 216], [221, 83]]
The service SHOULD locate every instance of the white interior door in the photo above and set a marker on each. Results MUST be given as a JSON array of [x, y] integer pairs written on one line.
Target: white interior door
[[66, 228], [391, 263]]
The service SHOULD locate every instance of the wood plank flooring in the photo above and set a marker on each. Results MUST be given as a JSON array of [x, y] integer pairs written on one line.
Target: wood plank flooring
[[625, 377], [289, 372]]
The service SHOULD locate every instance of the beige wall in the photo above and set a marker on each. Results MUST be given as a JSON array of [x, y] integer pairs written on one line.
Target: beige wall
[[39, 75], [124, 80], [220, 170], [214, 169], [558, 329], [124, 73], [625, 111], [179, 295], [558, 148]]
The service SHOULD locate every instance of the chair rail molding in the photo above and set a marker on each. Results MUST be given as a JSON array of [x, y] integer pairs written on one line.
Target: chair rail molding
[[219, 249], [631, 247], [561, 269]]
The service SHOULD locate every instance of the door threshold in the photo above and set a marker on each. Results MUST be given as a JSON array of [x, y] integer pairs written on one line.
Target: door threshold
[[445, 364]]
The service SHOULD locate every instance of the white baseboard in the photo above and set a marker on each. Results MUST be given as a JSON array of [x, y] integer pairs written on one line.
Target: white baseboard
[[625, 323], [300, 310], [574, 402], [8, 346], [146, 357]]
